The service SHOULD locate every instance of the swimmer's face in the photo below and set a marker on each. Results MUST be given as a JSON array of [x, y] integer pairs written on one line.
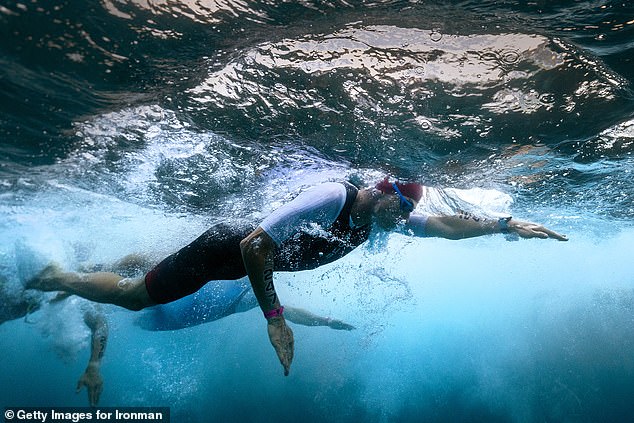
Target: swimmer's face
[[388, 211]]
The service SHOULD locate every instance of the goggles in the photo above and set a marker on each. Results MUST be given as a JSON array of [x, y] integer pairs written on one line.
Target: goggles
[[404, 204]]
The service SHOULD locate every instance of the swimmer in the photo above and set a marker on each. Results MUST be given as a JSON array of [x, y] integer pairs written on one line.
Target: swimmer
[[286, 240], [211, 303], [15, 305]]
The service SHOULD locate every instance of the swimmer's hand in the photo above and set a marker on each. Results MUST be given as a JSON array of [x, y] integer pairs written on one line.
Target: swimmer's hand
[[339, 325], [281, 337], [533, 230], [93, 382]]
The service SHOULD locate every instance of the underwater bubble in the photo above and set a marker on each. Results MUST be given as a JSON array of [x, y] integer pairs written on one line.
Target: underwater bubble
[[547, 98], [424, 123], [510, 57], [435, 35], [489, 56], [419, 71]]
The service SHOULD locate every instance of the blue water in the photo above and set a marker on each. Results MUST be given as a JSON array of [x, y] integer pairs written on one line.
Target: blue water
[[133, 126]]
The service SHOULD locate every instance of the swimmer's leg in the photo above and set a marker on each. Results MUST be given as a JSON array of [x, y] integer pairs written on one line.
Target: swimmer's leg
[[130, 265], [101, 287], [133, 263]]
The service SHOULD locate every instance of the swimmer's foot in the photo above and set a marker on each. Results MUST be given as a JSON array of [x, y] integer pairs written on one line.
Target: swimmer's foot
[[47, 280]]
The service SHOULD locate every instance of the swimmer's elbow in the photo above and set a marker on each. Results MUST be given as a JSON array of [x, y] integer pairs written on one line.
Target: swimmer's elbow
[[248, 247], [245, 245], [256, 244]]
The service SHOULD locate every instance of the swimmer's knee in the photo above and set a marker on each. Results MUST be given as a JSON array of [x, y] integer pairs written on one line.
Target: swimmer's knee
[[127, 284], [134, 295]]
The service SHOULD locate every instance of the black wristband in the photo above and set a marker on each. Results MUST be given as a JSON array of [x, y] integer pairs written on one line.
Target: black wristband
[[503, 223]]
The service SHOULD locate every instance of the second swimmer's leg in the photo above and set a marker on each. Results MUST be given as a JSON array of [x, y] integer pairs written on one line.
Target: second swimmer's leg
[[133, 264]]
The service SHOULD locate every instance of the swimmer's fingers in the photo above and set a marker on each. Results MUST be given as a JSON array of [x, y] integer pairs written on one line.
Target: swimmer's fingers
[[339, 325], [80, 384], [93, 382], [555, 235], [281, 337], [94, 393], [533, 230]]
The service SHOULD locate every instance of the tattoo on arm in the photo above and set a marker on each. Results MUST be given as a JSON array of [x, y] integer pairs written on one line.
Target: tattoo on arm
[[98, 325], [269, 288], [102, 347], [468, 216], [100, 338]]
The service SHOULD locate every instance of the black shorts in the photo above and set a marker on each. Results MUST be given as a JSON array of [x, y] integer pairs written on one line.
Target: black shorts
[[215, 255]]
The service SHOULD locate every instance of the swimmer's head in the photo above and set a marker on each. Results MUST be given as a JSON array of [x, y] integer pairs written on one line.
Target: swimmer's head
[[405, 191], [395, 203]]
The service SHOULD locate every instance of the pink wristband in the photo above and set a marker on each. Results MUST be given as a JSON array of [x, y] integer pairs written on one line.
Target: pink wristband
[[274, 313]]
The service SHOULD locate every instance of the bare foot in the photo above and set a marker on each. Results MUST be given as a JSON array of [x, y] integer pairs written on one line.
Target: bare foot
[[47, 279]]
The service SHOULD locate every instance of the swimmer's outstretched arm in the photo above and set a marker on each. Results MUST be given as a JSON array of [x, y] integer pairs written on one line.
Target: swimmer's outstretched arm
[[466, 225], [91, 378], [258, 250], [306, 318]]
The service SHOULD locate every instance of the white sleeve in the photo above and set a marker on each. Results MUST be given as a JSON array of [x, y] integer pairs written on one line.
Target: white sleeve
[[416, 224], [318, 205]]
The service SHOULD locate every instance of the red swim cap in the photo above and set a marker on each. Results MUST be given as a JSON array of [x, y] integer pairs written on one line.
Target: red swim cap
[[409, 189]]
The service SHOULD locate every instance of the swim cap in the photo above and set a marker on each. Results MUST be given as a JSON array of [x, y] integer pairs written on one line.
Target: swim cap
[[408, 189]]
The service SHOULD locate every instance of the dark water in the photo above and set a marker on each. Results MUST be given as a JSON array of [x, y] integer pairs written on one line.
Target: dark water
[[129, 126]]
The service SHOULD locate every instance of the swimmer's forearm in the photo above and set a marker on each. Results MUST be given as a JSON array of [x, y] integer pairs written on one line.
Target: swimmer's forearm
[[257, 253], [303, 317], [460, 226], [99, 328], [99, 341], [261, 277]]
